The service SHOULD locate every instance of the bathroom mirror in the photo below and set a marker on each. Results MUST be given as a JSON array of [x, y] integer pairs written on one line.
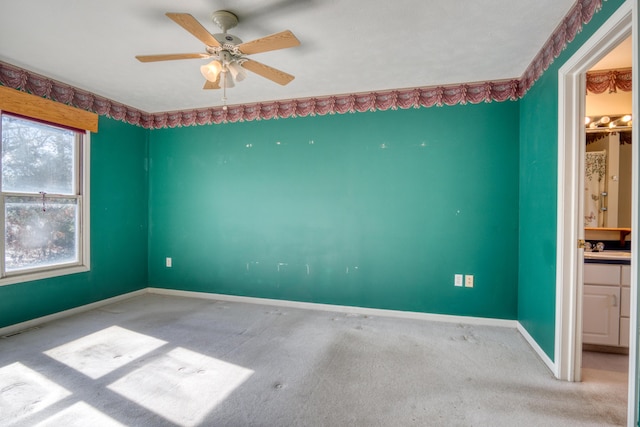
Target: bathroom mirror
[[608, 174]]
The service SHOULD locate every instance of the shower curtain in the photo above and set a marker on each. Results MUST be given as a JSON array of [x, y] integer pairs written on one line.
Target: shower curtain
[[594, 186]]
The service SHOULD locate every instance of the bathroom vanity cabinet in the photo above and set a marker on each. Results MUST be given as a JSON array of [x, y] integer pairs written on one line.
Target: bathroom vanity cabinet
[[606, 302]]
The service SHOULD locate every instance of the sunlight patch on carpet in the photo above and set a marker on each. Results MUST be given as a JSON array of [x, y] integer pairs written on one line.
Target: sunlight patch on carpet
[[102, 352], [182, 386], [24, 392], [80, 414]]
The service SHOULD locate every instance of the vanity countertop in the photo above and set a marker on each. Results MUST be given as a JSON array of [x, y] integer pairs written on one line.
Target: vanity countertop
[[608, 257]]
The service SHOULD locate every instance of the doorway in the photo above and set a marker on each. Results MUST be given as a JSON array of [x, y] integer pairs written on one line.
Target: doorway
[[607, 222], [570, 225]]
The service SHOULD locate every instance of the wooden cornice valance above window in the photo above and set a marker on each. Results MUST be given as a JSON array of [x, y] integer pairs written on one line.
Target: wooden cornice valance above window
[[32, 106], [612, 80]]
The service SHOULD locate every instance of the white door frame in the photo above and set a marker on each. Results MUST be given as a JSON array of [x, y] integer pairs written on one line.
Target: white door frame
[[571, 149]]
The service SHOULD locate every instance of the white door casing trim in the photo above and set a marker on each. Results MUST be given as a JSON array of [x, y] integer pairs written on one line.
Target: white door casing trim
[[634, 381]]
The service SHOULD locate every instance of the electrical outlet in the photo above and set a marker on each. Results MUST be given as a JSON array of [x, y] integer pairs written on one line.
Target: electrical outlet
[[468, 281], [457, 281], [168, 262]]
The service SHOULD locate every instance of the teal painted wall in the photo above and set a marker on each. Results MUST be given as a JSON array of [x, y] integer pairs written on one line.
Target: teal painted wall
[[119, 218], [343, 220], [538, 194]]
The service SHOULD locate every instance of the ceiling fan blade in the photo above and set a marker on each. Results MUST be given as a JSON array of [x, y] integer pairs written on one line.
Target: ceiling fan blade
[[171, 56], [192, 25], [281, 40], [267, 72], [212, 85]]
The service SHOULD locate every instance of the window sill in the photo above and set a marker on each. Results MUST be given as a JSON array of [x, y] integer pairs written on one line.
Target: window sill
[[39, 275]]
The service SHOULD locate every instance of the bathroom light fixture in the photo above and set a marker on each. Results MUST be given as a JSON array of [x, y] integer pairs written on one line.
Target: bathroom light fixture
[[601, 121], [624, 119], [604, 120], [608, 123]]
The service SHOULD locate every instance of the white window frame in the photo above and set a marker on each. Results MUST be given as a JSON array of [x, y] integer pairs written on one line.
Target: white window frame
[[83, 185]]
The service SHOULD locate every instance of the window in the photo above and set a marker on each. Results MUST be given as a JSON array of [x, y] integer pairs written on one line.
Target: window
[[43, 184]]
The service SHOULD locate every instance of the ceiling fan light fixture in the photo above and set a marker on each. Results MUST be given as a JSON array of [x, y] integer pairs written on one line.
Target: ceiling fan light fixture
[[226, 81], [237, 72], [212, 70]]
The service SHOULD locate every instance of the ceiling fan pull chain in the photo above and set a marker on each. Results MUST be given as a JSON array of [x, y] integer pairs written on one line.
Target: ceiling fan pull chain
[[224, 90], [43, 196]]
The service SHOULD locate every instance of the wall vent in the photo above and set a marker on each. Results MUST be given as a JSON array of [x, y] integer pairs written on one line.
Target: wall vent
[[20, 332]]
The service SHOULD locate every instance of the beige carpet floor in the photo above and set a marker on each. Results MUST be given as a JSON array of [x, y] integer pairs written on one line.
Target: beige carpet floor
[[168, 361]]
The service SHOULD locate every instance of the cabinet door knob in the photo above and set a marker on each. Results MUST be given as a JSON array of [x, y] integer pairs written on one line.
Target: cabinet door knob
[[615, 300]]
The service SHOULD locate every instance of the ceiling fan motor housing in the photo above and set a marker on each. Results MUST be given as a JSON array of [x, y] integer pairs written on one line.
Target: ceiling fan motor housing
[[226, 38]]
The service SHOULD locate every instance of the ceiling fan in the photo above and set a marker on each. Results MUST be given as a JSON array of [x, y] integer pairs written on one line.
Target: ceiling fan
[[228, 52]]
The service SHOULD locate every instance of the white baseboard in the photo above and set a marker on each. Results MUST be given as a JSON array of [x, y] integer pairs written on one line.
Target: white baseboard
[[12, 329], [340, 308], [289, 304], [539, 351]]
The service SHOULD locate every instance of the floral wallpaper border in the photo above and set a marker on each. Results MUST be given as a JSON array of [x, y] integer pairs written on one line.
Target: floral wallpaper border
[[612, 80], [581, 13]]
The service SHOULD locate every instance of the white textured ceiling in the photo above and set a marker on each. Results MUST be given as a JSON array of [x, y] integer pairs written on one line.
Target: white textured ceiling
[[346, 46]]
